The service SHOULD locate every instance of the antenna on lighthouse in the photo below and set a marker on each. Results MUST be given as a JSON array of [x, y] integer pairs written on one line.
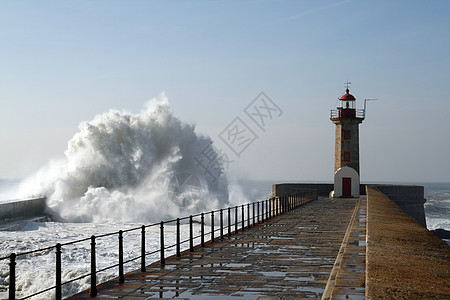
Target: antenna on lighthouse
[[365, 101]]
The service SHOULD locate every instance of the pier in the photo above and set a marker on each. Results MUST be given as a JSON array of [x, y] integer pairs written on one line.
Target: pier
[[289, 256], [297, 246], [342, 248]]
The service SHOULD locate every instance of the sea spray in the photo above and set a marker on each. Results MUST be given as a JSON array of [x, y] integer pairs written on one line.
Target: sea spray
[[126, 167]]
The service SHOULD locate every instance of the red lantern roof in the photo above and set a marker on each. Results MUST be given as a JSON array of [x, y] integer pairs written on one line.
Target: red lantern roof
[[347, 96]]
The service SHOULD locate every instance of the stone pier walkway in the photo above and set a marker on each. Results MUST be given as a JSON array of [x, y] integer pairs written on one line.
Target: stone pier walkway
[[290, 256]]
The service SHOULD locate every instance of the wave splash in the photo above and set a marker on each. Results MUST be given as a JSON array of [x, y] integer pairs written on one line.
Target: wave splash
[[125, 167]]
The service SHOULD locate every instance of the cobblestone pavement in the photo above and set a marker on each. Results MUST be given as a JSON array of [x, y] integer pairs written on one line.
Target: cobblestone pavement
[[288, 257]]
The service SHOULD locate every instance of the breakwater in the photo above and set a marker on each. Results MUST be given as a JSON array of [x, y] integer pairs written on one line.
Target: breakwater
[[395, 236], [22, 209], [192, 229], [409, 197], [404, 260]]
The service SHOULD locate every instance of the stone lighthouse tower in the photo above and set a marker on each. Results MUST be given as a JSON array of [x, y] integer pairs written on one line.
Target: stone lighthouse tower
[[346, 158]]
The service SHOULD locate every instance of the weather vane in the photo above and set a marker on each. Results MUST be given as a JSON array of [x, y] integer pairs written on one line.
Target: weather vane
[[347, 83]]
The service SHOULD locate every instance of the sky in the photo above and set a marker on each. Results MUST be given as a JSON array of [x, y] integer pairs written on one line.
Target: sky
[[63, 62]]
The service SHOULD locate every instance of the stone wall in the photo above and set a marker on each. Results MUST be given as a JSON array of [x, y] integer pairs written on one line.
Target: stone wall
[[409, 197], [22, 209], [403, 259], [323, 189]]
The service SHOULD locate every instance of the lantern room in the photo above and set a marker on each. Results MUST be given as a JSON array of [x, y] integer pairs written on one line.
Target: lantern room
[[347, 105]]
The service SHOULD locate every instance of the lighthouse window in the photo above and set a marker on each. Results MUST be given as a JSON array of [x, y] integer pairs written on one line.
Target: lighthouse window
[[346, 134], [346, 156]]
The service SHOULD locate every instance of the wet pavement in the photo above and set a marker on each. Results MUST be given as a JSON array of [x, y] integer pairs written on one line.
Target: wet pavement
[[290, 256], [347, 279]]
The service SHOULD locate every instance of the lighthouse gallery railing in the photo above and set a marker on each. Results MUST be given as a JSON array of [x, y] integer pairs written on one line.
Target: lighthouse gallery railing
[[238, 218], [336, 113]]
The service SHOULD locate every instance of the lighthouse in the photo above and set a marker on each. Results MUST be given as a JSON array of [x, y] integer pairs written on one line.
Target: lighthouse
[[346, 156]]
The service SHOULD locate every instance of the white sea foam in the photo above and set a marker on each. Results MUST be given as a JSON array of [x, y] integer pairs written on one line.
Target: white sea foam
[[131, 168]]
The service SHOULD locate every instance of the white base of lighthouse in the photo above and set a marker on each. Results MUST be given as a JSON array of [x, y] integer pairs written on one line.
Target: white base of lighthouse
[[346, 183]]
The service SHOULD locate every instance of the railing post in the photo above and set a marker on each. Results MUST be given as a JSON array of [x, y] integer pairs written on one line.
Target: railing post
[[229, 221], [178, 238], [163, 260], [58, 294], [12, 276], [235, 219], [265, 209], [248, 215], [269, 210], [191, 234], [203, 230], [212, 226], [93, 268], [278, 206], [221, 223], [243, 216], [274, 208], [121, 277], [257, 210], [262, 211], [253, 209], [143, 249]]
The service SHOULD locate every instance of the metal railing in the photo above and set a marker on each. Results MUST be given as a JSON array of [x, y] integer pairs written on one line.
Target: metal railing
[[238, 218], [359, 113]]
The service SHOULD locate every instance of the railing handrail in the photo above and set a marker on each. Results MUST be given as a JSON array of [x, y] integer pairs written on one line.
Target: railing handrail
[[265, 209], [359, 113]]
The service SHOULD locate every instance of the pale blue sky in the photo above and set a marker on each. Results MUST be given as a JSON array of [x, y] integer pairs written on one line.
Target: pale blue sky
[[63, 62]]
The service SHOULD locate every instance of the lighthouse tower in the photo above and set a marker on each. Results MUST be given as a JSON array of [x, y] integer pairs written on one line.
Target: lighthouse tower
[[346, 158]]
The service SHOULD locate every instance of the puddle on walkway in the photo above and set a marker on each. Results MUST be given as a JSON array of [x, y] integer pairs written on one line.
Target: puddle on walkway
[[274, 274], [237, 265], [281, 238], [310, 278], [317, 290]]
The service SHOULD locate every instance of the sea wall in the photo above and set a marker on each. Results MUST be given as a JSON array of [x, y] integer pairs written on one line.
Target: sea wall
[[403, 259], [21, 209], [409, 197], [323, 189]]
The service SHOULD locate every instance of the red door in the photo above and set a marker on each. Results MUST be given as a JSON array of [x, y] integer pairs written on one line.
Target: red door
[[346, 187]]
